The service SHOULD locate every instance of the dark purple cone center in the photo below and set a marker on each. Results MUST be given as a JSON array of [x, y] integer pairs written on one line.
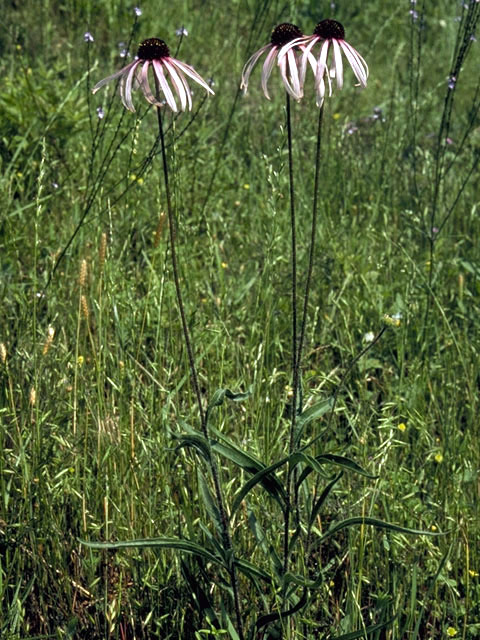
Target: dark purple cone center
[[330, 29], [153, 49], [285, 33]]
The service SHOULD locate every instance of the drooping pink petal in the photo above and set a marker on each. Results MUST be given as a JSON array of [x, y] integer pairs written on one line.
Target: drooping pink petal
[[337, 64], [187, 89], [321, 67], [248, 67], [190, 71], [358, 64], [177, 82], [126, 87], [115, 75], [308, 56], [322, 60], [160, 76], [289, 72], [145, 86], [267, 69]]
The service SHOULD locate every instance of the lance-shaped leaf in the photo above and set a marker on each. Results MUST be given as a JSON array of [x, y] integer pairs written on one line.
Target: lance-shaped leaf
[[267, 479], [209, 502], [315, 464], [380, 524], [312, 413], [158, 543], [364, 633]]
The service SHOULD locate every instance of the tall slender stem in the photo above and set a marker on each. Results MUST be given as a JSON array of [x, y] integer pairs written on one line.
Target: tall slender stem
[[227, 539], [295, 372], [312, 238], [176, 277]]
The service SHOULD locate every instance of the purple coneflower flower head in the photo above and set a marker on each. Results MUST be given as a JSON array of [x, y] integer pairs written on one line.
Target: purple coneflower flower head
[[287, 60], [153, 54], [331, 35]]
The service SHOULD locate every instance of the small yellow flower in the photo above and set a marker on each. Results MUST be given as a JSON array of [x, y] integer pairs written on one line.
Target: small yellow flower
[[136, 179], [392, 321], [246, 186], [336, 116], [451, 632], [402, 426], [439, 458], [473, 574], [433, 527], [80, 360], [289, 391], [224, 265]]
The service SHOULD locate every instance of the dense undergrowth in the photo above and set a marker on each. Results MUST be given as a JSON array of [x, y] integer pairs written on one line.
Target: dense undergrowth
[[94, 381]]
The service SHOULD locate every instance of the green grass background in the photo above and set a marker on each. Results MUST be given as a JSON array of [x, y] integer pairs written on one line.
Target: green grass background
[[86, 447]]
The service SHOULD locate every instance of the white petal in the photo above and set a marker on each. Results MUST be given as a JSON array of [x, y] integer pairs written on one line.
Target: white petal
[[307, 56], [321, 66], [358, 64], [289, 72], [126, 88], [177, 83], [190, 71], [251, 62], [159, 74], [145, 86], [267, 69], [337, 62], [117, 74]]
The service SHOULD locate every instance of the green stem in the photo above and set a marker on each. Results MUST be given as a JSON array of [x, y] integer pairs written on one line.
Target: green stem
[[227, 540], [295, 369], [312, 237], [176, 277]]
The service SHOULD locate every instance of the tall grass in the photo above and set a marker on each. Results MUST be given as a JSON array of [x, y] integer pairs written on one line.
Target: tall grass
[[94, 377]]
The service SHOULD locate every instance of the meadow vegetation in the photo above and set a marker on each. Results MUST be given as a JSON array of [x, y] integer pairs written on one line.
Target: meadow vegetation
[[100, 438]]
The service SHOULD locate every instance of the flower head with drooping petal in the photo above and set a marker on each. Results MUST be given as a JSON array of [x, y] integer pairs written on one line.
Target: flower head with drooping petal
[[331, 35], [155, 55], [282, 35]]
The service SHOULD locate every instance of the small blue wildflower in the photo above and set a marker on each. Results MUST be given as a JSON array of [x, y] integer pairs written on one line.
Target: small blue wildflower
[[181, 32], [100, 113], [87, 36], [123, 52], [452, 82], [137, 11]]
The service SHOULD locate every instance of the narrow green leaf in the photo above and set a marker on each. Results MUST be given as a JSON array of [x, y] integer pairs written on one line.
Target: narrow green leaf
[[194, 441], [200, 596], [220, 394], [209, 502], [312, 413], [282, 615], [267, 548], [251, 570], [381, 524], [314, 464], [345, 463], [361, 633], [323, 496], [269, 482], [157, 543]]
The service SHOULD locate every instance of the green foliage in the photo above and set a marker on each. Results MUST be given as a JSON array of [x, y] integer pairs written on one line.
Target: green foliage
[[99, 434]]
